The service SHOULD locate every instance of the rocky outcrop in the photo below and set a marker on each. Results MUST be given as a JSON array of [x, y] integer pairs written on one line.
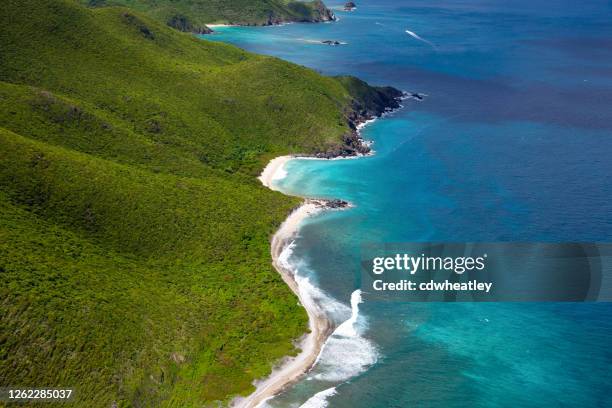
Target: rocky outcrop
[[182, 23], [301, 12], [368, 103], [321, 13], [416, 95], [349, 6], [352, 145], [334, 204], [378, 101], [190, 15]]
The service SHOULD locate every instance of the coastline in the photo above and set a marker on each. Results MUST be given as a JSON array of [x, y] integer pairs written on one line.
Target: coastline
[[274, 170], [290, 369], [320, 328]]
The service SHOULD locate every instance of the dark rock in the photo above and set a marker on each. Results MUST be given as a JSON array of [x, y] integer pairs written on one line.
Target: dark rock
[[336, 204], [349, 6], [374, 103], [273, 19], [182, 23], [417, 96], [303, 12], [201, 30], [322, 13], [352, 145], [333, 204], [368, 103]]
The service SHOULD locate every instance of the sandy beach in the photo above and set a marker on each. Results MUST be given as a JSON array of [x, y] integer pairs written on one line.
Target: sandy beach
[[291, 368], [273, 171]]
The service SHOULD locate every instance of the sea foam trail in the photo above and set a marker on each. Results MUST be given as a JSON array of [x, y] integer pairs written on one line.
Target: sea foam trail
[[418, 37]]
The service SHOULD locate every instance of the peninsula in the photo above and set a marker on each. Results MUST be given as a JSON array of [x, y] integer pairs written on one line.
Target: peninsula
[[195, 15], [135, 245]]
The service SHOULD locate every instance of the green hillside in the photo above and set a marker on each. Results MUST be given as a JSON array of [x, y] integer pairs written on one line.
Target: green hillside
[[134, 237], [193, 15]]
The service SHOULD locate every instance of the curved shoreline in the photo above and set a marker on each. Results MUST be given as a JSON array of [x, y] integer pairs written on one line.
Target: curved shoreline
[[290, 369]]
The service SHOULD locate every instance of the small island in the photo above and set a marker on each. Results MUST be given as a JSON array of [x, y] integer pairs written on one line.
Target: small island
[[349, 6]]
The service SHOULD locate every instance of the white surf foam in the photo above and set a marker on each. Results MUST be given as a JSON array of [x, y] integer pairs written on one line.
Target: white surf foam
[[280, 174], [283, 257], [348, 327], [347, 353], [311, 294], [319, 400]]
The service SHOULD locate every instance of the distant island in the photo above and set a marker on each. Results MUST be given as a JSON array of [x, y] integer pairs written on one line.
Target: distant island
[[136, 260], [349, 6]]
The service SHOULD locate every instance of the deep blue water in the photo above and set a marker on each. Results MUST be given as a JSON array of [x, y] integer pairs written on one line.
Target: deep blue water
[[513, 143]]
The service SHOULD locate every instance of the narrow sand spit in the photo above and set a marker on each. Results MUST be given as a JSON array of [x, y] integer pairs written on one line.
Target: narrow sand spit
[[291, 368]]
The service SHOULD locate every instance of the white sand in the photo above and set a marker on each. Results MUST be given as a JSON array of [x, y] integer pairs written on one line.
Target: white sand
[[290, 369], [274, 171]]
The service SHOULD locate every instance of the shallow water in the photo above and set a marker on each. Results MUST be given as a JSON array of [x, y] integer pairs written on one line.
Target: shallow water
[[512, 143]]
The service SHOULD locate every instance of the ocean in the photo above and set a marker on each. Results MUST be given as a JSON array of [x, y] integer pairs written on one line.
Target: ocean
[[512, 142]]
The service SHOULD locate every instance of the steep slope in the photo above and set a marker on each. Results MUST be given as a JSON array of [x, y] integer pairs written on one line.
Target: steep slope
[[193, 15], [134, 249]]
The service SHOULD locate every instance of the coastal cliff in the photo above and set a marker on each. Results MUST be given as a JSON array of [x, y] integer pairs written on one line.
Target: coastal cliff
[[182, 23], [368, 102], [295, 12], [194, 15]]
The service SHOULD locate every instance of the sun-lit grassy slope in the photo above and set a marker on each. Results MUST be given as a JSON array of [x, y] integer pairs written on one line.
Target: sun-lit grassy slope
[[134, 239], [133, 285], [214, 102], [193, 15]]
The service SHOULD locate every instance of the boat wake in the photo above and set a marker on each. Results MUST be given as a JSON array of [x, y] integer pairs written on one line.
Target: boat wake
[[418, 37]]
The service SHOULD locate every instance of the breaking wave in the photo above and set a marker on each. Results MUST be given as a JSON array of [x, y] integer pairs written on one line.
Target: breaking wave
[[319, 400]]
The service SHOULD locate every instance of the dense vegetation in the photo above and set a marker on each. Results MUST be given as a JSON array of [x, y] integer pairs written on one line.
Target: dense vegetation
[[134, 237], [193, 15]]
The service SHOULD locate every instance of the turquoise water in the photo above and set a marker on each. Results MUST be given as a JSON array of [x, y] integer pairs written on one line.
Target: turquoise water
[[513, 143]]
